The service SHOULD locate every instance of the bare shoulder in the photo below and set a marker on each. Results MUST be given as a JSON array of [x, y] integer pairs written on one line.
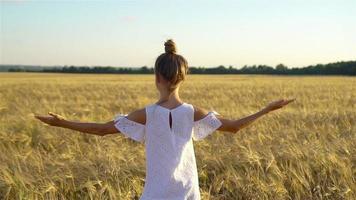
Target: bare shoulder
[[138, 116], [199, 112]]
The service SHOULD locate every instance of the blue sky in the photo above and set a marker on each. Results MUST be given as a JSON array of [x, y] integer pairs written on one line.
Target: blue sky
[[207, 33]]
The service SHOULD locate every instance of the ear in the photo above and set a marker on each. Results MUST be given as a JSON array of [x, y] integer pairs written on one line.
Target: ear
[[157, 78]]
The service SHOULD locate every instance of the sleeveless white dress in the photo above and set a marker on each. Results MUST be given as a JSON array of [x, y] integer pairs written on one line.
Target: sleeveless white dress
[[171, 170]]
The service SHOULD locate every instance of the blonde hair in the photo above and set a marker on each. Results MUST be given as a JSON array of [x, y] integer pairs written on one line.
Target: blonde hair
[[171, 66]]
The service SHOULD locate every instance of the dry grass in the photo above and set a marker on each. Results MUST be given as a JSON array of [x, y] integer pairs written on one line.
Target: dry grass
[[305, 151]]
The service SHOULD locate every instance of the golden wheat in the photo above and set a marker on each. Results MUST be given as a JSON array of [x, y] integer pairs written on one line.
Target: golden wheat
[[304, 151]]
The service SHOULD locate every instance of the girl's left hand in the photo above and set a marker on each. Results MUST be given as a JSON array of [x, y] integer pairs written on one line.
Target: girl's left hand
[[53, 119], [278, 104]]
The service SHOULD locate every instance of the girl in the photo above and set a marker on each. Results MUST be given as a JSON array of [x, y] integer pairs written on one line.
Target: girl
[[167, 128]]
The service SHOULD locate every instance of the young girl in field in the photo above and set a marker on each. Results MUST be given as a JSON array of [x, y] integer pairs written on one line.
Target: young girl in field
[[167, 128]]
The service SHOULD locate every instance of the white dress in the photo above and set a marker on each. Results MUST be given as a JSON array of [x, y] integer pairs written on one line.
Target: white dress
[[171, 170]]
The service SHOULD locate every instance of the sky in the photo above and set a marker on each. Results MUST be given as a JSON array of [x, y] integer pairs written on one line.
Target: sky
[[208, 33]]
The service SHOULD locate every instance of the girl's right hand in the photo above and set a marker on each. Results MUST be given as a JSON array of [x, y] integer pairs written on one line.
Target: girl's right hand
[[277, 104], [52, 120]]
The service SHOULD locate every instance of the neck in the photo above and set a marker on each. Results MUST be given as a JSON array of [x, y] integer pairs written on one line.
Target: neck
[[172, 97]]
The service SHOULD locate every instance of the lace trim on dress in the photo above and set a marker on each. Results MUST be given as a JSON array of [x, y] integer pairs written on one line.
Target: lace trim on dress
[[129, 128], [206, 126]]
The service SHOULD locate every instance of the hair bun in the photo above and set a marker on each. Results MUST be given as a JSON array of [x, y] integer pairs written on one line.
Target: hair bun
[[170, 46]]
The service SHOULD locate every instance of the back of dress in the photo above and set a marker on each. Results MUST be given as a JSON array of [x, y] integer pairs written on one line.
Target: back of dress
[[171, 171]]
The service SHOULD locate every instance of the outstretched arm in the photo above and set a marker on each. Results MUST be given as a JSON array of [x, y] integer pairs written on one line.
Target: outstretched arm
[[234, 126], [100, 129]]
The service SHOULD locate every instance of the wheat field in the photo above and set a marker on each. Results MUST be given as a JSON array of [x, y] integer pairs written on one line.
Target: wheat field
[[306, 150]]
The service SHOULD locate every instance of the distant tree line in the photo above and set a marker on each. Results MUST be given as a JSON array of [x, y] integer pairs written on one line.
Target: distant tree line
[[337, 68]]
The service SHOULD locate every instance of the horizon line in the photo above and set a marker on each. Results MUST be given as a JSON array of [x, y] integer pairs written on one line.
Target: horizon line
[[188, 66]]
